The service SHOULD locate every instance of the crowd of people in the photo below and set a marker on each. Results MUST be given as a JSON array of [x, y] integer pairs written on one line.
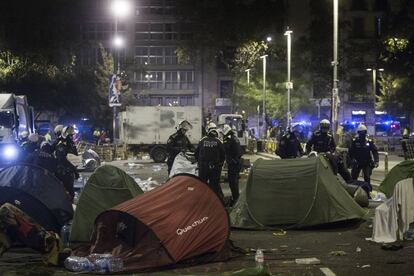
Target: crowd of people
[[213, 150], [51, 154]]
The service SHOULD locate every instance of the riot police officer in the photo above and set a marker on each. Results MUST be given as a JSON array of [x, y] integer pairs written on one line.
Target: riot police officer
[[44, 158], [360, 153], [66, 171], [289, 146], [210, 156], [178, 142], [321, 141], [233, 152]]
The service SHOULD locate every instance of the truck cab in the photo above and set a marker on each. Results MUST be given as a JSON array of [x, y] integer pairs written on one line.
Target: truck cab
[[237, 122], [15, 118]]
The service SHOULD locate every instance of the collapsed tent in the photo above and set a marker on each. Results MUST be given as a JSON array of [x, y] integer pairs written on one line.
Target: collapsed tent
[[107, 186], [401, 171], [294, 193], [184, 164], [90, 160], [181, 222], [41, 185]]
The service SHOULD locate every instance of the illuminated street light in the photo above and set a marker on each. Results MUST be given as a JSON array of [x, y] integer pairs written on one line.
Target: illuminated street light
[[120, 8], [269, 39], [118, 42], [289, 84], [264, 95]]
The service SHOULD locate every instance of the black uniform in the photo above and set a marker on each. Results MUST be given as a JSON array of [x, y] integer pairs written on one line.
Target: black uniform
[[66, 171], [177, 143], [43, 159], [233, 152], [321, 142], [360, 154], [289, 146], [210, 156]]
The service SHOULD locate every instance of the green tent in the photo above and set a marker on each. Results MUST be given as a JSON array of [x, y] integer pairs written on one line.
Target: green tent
[[293, 193], [108, 186], [401, 171]]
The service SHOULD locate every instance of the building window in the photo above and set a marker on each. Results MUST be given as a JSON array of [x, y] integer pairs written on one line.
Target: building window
[[141, 55], [186, 79], [381, 5], [101, 30], [172, 101], [359, 5], [154, 100], [171, 80], [156, 55], [186, 100], [171, 55], [156, 31], [226, 88], [358, 27]]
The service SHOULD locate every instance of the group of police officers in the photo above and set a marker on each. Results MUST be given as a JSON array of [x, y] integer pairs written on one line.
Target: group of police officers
[[212, 151], [210, 154], [51, 155]]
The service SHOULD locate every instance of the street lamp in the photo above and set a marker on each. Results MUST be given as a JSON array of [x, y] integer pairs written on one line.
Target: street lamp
[[269, 39], [374, 80], [264, 95], [334, 100], [289, 84], [120, 9], [248, 76]]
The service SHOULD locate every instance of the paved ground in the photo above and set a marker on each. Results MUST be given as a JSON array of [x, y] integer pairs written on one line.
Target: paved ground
[[361, 257]]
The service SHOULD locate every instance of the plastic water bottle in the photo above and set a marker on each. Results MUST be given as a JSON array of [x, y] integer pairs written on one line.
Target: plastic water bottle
[[104, 263], [259, 258], [64, 235], [78, 264]]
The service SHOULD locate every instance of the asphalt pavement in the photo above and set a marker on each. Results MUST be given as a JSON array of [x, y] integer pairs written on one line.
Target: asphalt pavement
[[341, 249]]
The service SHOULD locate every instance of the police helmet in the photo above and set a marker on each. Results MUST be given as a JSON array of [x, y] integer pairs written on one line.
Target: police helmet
[[34, 137], [185, 125], [362, 128], [213, 132], [211, 125], [58, 129], [227, 129], [324, 125], [24, 134], [67, 130]]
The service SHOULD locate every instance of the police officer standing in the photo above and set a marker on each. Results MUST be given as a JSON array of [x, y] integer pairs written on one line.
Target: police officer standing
[[66, 171], [178, 142], [321, 141], [360, 153], [289, 146], [210, 156], [233, 152], [44, 158]]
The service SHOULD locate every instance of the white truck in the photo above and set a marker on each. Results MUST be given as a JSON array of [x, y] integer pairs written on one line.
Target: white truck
[[236, 121], [15, 117], [147, 128]]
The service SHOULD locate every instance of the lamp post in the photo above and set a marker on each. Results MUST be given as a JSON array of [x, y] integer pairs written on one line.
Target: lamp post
[[289, 84], [374, 81], [248, 76], [119, 8], [334, 100], [264, 96]]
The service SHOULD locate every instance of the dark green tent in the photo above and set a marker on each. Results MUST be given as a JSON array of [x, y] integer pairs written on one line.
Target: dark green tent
[[401, 171], [107, 187], [293, 193]]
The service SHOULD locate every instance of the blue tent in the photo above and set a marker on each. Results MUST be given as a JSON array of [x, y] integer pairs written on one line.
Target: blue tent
[[41, 185]]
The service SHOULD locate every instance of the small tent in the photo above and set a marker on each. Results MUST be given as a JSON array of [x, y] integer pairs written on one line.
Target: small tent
[[107, 186], [294, 193], [41, 185], [31, 206], [180, 222], [401, 171]]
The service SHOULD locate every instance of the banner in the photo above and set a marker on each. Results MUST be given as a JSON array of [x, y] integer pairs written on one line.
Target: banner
[[115, 85]]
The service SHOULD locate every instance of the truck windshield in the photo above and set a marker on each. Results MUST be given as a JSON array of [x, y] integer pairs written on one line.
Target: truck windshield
[[235, 122], [6, 119]]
